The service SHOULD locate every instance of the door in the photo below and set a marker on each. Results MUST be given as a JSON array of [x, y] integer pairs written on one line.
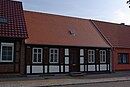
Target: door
[[74, 60]]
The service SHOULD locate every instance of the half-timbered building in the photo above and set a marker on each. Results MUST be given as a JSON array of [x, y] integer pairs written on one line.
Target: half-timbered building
[[12, 35], [60, 44], [117, 36]]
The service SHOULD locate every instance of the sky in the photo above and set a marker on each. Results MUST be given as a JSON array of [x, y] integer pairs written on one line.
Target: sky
[[116, 11]]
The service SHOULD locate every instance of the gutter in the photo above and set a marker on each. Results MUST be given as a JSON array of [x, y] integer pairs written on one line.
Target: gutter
[[103, 36]]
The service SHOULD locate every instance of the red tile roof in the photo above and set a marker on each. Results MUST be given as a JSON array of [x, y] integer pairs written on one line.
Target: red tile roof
[[56, 30], [13, 12], [117, 34]]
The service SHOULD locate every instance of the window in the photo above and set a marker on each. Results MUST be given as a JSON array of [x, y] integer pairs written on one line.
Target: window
[[7, 52], [91, 56], [37, 55], [54, 55], [123, 58], [72, 32], [102, 56], [3, 20]]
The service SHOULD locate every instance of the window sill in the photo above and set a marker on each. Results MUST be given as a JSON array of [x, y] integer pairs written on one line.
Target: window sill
[[91, 63], [103, 63], [37, 63], [54, 63], [6, 62]]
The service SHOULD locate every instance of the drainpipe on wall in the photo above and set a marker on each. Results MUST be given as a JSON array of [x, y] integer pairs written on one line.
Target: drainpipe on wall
[[107, 41]]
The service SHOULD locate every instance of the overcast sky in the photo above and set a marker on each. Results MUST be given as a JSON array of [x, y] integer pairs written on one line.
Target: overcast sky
[[116, 11]]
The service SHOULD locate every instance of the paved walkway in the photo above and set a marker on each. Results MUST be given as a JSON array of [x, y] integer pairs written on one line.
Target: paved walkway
[[46, 81]]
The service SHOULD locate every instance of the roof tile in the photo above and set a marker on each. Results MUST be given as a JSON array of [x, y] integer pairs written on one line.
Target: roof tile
[[117, 34], [13, 12], [54, 30]]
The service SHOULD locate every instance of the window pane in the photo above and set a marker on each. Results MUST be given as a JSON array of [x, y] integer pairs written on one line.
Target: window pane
[[35, 58], [10, 51], [89, 58], [51, 51], [100, 57], [104, 58], [4, 48], [35, 50], [3, 20], [123, 58], [55, 51], [4, 57], [92, 52], [39, 57], [92, 58], [9, 48], [55, 58], [51, 60], [89, 52], [10, 57], [4, 52], [39, 50], [119, 58]]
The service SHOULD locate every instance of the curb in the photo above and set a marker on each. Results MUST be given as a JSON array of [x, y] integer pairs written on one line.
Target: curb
[[62, 82], [105, 80]]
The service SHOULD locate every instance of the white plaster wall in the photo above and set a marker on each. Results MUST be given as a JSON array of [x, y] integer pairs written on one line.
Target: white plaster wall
[[53, 68], [103, 67], [28, 69], [81, 67], [37, 69], [91, 67], [66, 68], [66, 60]]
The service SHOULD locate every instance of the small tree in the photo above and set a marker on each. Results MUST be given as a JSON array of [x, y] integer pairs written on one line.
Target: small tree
[[128, 2]]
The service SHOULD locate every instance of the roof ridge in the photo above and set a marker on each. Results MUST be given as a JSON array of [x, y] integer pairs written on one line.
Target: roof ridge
[[74, 17], [53, 14], [111, 23]]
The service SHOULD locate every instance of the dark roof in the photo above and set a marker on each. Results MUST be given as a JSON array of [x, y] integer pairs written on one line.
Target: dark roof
[[15, 26], [60, 30], [117, 34]]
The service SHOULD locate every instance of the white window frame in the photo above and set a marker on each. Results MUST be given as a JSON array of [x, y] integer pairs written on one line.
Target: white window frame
[[37, 54], [102, 56], [7, 44], [54, 55], [92, 56]]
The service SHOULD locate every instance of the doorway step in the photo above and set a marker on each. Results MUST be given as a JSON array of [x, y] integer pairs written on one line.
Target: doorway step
[[77, 74]]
